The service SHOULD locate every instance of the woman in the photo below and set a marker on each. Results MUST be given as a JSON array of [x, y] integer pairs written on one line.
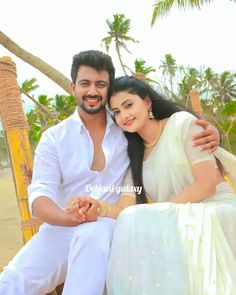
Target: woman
[[184, 243]]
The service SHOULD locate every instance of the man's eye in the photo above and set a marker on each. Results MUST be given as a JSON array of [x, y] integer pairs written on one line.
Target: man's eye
[[101, 85], [84, 84]]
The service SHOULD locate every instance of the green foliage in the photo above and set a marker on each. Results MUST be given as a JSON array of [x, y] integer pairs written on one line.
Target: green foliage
[[218, 94], [140, 67], [47, 111], [118, 32], [118, 29], [29, 85], [227, 124], [3, 151], [163, 7]]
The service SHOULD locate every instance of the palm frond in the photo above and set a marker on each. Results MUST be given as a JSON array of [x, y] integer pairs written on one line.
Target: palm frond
[[163, 7]]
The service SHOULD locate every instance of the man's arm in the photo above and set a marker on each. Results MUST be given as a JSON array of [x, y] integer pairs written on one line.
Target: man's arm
[[43, 191], [93, 208], [46, 210]]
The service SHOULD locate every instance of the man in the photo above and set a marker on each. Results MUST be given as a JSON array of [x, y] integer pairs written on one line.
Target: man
[[85, 149]]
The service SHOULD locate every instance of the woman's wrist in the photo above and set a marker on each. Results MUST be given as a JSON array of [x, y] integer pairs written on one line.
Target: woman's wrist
[[103, 208]]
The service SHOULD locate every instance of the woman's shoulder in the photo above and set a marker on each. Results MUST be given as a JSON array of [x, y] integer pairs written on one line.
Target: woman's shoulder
[[182, 118]]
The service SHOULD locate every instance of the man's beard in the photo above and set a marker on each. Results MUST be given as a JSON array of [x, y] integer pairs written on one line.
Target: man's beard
[[92, 110]]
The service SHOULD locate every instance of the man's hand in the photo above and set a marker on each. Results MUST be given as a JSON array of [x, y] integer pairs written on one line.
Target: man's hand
[[209, 138], [83, 208], [93, 211], [73, 210]]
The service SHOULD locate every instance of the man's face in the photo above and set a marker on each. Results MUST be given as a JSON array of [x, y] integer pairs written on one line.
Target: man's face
[[91, 89]]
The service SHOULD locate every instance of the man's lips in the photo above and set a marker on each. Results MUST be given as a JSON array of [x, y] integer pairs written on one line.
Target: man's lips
[[92, 100], [129, 122]]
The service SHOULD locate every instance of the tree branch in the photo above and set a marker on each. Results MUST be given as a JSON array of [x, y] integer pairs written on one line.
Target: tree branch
[[36, 62]]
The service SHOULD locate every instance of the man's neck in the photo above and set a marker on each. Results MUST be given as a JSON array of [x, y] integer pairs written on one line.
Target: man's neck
[[94, 121]]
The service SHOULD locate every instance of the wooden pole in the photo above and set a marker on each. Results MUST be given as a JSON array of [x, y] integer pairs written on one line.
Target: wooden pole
[[195, 101], [16, 132]]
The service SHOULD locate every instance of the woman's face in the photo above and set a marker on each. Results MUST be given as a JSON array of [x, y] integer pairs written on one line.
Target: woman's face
[[130, 111]]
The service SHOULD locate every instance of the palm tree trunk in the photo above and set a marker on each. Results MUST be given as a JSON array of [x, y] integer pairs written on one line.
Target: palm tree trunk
[[43, 108], [119, 56], [36, 62]]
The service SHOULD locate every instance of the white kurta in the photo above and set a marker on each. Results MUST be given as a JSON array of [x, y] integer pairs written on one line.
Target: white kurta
[[77, 255], [166, 248]]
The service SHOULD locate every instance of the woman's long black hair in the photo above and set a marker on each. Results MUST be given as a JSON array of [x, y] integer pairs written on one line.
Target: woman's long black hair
[[161, 109]]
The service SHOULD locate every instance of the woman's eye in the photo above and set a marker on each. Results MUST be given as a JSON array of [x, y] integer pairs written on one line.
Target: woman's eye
[[128, 105], [115, 113]]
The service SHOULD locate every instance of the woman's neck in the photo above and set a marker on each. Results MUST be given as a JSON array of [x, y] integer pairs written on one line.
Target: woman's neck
[[151, 132]]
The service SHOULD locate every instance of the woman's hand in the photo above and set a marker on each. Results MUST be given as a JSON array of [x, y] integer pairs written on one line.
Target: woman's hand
[[76, 210], [83, 208]]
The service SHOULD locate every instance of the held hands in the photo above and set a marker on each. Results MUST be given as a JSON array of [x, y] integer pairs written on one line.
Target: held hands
[[83, 209], [208, 139]]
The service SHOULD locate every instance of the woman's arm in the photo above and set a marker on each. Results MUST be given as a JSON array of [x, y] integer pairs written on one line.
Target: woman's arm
[[203, 170], [92, 208], [203, 186], [113, 210]]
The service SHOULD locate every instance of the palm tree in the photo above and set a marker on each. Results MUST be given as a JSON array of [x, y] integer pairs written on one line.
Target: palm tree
[[29, 85], [192, 79], [141, 70], [36, 62], [209, 79], [163, 7], [169, 68], [64, 106], [118, 30], [224, 87], [140, 67]]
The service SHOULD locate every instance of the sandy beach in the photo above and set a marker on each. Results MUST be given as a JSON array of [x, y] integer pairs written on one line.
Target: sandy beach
[[10, 233]]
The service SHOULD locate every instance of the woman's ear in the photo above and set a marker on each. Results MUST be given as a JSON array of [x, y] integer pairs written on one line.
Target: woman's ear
[[148, 101]]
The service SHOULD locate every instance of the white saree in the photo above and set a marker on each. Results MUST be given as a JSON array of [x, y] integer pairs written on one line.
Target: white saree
[[175, 249]]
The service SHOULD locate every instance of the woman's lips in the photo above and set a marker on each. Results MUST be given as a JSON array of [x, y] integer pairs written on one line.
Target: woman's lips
[[129, 122]]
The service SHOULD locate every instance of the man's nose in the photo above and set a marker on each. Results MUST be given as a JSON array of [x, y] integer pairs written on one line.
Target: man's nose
[[92, 90]]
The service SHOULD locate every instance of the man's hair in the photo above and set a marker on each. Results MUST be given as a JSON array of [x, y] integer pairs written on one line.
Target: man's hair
[[94, 59]]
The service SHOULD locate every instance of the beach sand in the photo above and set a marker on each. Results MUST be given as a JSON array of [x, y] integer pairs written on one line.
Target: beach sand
[[10, 232]]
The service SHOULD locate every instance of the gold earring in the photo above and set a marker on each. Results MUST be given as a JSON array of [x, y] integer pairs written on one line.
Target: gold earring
[[150, 114]]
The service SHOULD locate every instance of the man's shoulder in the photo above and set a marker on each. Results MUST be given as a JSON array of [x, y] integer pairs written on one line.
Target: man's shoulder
[[60, 126], [58, 131]]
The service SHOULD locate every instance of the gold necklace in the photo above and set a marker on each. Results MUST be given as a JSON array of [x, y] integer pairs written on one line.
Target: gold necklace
[[160, 128]]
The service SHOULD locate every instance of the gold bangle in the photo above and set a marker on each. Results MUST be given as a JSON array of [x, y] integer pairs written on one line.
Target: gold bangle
[[103, 209]]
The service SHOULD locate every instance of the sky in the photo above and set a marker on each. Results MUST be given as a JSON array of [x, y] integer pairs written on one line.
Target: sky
[[55, 30]]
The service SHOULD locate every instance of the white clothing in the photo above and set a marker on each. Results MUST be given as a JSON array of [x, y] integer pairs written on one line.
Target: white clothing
[[228, 161], [77, 255], [166, 248], [63, 160]]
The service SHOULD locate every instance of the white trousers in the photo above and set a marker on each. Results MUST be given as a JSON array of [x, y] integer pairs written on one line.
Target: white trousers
[[76, 255]]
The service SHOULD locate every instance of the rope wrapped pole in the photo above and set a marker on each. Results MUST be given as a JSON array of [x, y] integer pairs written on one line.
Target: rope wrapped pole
[[16, 131], [195, 101]]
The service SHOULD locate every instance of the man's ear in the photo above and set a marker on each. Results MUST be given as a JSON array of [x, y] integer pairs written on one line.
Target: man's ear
[[72, 88]]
